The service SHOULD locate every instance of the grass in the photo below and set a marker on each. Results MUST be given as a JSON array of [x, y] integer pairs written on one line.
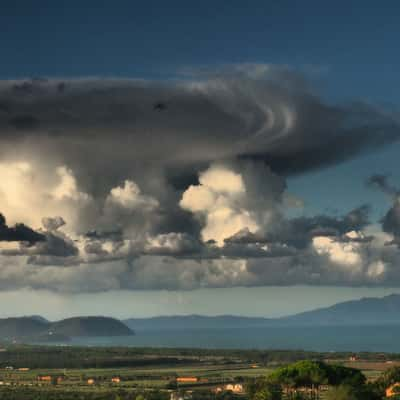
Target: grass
[[139, 378], [210, 375]]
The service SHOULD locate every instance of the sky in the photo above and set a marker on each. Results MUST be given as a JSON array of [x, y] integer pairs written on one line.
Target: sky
[[197, 157]]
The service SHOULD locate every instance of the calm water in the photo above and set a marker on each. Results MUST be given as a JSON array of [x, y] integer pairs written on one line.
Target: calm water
[[345, 338]]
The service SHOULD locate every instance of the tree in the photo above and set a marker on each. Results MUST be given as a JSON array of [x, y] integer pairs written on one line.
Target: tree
[[388, 378], [342, 392], [339, 375], [303, 374], [263, 389], [347, 392], [311, 375]]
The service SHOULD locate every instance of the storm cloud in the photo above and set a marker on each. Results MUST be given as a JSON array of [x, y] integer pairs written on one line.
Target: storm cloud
[[273, 116], [182, 184]]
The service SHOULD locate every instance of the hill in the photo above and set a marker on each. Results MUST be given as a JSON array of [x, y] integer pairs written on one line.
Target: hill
[[90, 326], [370, 310], [42, 330], [39, 318], [15, 327], [366, 311], [194, 322]]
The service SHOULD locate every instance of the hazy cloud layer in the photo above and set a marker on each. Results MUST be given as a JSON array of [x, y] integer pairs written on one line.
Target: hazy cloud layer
[[131, 184]]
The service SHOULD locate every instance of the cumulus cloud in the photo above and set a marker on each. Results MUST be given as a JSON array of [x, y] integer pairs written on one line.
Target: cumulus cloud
[[221, 198], [67, 187], [127, 194], [280, 251], [18, 233], [233, 198], [53, 223], [32, 192], [130, 197], [391, 220]]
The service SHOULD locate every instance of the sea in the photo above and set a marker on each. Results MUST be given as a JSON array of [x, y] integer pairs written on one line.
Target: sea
[[382, 338]]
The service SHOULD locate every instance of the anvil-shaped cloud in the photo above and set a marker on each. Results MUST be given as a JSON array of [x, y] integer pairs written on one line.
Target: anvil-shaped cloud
[[181, 184]]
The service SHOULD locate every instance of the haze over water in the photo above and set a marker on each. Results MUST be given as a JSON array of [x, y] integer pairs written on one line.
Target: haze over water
[[315, 338]]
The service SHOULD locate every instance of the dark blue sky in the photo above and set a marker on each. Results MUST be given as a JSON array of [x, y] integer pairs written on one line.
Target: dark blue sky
[[354, 42]]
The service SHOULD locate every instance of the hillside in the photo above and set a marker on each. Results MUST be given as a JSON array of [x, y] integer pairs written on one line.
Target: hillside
[[16, 327], [385, 310], [90, 326], [194, 322], [366, 311], [39, 328]]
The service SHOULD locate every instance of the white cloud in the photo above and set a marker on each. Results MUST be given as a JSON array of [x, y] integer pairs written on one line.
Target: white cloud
[[29, 193], [342, 253], [376, 269], [67, 188], [221, 199], [129, 196]]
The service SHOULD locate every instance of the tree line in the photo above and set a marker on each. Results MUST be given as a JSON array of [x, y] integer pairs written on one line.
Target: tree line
[[306, 380]]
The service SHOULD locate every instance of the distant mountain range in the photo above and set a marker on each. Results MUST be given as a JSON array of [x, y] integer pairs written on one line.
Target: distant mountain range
[[366, 311], [195, 322], [370, 310], [39, 329]]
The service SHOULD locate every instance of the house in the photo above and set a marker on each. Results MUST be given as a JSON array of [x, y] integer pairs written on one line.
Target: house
[[44, 378], [181, 396], [50, 378], [115, 379], [187, 379], [176, 396], [393, 390], [234, 387], [230, 387]]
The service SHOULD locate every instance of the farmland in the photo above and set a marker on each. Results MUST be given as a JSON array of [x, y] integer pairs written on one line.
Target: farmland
[[155, 373]]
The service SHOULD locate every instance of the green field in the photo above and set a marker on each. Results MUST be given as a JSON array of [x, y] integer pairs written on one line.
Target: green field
[[152, 374]]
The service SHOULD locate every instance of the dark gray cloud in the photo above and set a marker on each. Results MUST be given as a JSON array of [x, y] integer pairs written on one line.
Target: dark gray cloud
[[391, 220], [53, 223], [53, 246], [298, 232], [182, 184], [271, 117], [19, 233], [380, 182], [24, 122]]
